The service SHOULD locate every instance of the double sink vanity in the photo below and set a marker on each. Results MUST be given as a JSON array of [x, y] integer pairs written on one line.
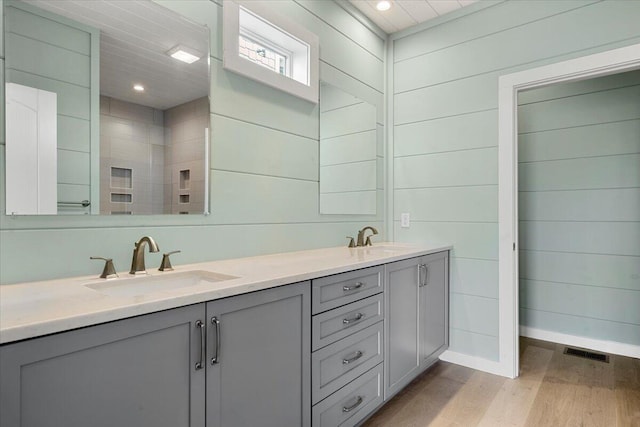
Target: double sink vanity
[[312, 338]]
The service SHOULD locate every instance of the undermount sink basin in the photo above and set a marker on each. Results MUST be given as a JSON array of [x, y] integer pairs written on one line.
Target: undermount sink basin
[[141, 285]]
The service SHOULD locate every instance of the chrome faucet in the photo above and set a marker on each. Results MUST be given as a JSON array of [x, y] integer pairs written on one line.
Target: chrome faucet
[[137, 262], [361, 241]]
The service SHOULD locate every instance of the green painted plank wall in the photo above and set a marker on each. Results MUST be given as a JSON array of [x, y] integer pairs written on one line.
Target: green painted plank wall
[[264, 166], [2, 74], [60, 63], [444, 100], [348, 153], [579, 203]]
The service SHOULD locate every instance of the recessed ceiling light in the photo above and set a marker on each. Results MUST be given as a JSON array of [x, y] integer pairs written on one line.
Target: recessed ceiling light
[[184, 54], [383, 5], [138, 88]]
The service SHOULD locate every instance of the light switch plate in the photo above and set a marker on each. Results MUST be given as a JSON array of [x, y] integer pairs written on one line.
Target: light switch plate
[[405, 220]]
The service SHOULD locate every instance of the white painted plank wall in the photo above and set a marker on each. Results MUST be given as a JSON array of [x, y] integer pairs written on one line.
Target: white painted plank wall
[[445, 99], [264, 166], [579, 204]]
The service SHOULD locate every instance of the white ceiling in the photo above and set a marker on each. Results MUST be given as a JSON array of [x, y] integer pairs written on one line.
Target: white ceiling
[[406, 13], [134, 39]]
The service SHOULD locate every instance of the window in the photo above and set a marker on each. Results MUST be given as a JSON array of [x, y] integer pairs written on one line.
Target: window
[[266, 47], [270, 58]]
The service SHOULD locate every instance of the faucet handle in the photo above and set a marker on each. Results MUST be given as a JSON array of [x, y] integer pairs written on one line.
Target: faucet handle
[[352, 243], [109, 271], [165, 265], [368, 241]]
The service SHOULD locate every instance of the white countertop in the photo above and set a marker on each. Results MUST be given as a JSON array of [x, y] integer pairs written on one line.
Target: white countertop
[[34, 309]]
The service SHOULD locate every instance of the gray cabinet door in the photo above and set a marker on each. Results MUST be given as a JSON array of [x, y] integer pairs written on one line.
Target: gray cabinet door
[[261, 342], [402, 361], [434, 313], [133, 372]]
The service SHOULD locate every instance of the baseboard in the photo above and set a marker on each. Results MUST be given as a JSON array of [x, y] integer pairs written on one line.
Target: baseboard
[[611, 347], [474, 362]]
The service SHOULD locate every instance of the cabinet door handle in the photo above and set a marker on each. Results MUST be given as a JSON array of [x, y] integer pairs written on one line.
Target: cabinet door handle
[[200, 363], [354, 406], [353, 319], [215, 359], [423, 270], [357, 356], [348, 288]]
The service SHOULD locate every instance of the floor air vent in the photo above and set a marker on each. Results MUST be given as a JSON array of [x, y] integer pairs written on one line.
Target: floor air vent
[[586, 354]]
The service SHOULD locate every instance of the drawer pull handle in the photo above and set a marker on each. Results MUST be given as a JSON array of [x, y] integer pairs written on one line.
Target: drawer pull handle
[[423, 271], [359, 400], [348, 288], [354, 319], [357, 356], [199, 364], [216, 355]]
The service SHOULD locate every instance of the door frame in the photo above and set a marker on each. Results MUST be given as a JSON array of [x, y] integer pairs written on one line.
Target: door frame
[[586, 67]]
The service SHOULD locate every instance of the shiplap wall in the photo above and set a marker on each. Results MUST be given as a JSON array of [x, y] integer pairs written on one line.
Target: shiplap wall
[[349, 154], [579, 208], [445, 125], [63, 66], [264, 166]]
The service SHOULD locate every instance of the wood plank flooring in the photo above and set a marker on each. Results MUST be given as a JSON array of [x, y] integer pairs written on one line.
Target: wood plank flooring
[[553, 389]]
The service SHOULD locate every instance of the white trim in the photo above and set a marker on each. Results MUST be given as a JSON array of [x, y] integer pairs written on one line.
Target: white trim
[[232, 61], [611, 347], [473, 362], [597, 65]]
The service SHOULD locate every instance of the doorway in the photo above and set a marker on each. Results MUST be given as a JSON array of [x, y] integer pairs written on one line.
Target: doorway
[[579, 213], [598, 65]]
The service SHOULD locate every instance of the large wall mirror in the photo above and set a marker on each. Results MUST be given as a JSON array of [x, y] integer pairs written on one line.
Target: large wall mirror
[[107, 109], [348, 153]]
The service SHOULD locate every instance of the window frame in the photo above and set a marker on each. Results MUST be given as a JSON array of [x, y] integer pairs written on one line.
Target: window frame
[[232, 60]]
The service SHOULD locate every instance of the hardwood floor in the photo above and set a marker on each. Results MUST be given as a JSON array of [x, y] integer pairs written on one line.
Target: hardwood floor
[[553, 390]]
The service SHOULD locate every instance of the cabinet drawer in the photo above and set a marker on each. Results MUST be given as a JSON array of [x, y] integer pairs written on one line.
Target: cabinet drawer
[[349, 405], [338, 323], [340, 289], [341, 362]]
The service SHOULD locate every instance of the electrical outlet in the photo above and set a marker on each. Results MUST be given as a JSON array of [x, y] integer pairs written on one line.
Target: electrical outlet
[[405, 220]]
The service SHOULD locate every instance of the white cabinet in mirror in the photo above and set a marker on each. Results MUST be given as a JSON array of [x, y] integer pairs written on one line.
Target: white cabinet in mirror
[[267, 47], [348, 153], [130, 116]]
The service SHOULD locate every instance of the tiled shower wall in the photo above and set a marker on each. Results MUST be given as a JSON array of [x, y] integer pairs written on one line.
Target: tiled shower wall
[[131, 138], [156, 146], [184, 154]]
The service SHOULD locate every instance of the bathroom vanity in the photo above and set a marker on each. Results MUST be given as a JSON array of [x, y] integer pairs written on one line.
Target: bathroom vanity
[[320, 337]]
